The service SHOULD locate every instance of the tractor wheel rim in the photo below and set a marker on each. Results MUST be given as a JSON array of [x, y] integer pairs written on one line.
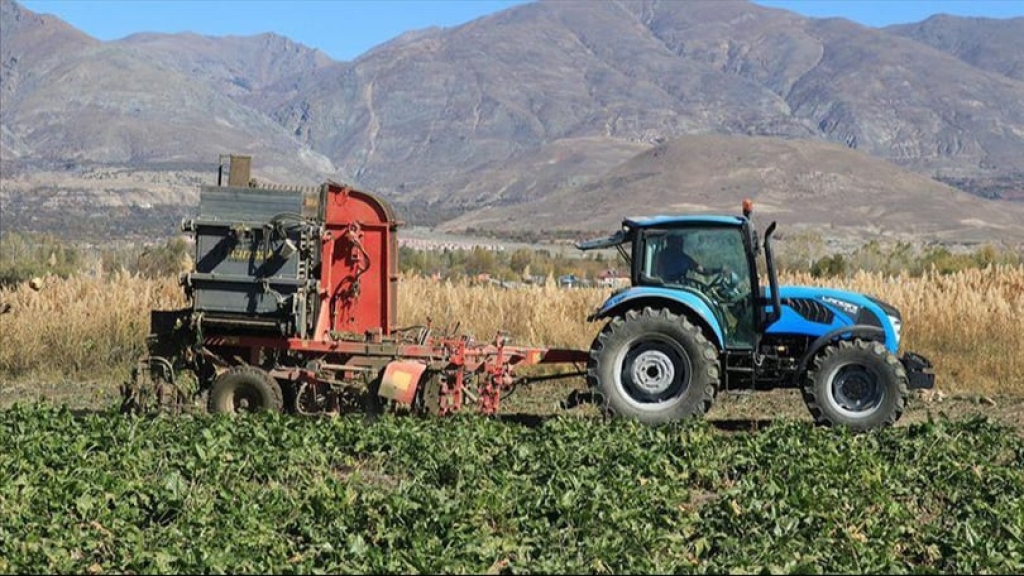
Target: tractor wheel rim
[[855, 390], [653, 372]]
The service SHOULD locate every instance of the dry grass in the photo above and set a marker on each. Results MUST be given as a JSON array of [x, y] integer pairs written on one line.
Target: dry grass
[[967, 323], [542, 315], [80, 326]]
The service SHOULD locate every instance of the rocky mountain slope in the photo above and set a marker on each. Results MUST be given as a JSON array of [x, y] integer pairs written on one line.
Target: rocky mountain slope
[[529, 110]]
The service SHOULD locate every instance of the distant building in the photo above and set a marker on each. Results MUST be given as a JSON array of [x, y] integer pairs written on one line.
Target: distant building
[[612, 278]]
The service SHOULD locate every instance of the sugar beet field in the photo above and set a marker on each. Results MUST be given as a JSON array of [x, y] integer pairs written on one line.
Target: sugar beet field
[[197, 494], [752, 488]]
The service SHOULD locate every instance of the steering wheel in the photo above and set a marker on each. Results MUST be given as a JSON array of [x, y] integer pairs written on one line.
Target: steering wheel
[[694, 283], [724, 286], [720, 285]]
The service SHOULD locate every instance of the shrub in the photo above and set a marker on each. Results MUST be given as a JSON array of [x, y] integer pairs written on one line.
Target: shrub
[[23, 257]]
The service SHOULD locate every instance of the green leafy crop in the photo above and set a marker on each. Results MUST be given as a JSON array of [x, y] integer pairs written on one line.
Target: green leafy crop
[[279, 494]]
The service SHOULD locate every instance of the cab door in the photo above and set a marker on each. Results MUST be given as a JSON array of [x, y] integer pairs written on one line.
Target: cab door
[[722, 278]]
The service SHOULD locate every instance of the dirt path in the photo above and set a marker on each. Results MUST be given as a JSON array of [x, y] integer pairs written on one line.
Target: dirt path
[[749, 410], [732, 411], [1008, 410]]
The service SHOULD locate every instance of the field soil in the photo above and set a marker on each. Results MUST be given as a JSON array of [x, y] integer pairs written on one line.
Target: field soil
[[732, 411], [748, 411]]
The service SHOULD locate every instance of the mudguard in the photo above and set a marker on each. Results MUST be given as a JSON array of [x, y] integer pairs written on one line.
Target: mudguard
[[844, 333], [920, 372], [400, 380], [653, 296]]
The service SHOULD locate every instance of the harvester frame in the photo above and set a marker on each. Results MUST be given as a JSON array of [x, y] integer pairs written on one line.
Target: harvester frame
[[292, 306]]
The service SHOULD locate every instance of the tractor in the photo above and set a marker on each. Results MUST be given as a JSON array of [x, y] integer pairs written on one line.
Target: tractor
[[676, 336]]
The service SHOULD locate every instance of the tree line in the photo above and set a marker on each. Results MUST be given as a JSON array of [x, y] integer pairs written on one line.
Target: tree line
[[24, 256]]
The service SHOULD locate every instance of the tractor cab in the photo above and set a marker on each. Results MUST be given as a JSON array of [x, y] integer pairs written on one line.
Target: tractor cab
[[708, 264], [707, 258]]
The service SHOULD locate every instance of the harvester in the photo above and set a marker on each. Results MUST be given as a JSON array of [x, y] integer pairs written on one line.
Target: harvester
[[292, 307]]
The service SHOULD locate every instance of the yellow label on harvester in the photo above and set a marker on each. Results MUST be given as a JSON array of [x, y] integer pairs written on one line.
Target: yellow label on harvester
[[401, 380], [247, 254]]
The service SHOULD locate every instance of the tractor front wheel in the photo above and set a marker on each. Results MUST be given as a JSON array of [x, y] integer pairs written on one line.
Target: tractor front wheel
[[245, 389], [859, 384], [654, 366]]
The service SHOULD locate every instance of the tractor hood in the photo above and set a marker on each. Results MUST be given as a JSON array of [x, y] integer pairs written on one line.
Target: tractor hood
[[812, 310]]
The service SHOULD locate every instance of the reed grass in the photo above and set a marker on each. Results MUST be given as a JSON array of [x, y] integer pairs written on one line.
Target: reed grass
[[87, 326]]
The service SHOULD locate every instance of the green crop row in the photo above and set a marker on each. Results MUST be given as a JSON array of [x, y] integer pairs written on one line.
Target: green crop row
[[279, 494]]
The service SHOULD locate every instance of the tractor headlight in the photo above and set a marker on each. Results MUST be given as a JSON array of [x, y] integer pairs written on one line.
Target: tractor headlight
[[894, 316], [897, 325]]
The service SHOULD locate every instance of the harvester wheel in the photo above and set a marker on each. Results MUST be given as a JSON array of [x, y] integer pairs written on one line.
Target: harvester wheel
[[654, 366], [428, 395], [859, 384], [245, 389]]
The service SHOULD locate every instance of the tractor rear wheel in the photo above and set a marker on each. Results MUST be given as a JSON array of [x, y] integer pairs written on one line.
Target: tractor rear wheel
[[654, 366], [859, 384], [245, 389]]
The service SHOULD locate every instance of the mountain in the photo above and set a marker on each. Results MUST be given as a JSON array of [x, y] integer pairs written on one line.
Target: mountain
[[987, 43], [237, 66], [26, 45], [526, 109], [805, 185], [69, 100], [416, 113]]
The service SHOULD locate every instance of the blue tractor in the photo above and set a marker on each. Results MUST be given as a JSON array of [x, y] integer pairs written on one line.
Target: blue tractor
[[700, 317]]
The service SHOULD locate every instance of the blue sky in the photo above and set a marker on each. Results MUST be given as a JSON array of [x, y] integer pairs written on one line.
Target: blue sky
[[346, 28]]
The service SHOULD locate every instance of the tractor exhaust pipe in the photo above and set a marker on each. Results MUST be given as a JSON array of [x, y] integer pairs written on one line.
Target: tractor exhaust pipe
[[773, 278]]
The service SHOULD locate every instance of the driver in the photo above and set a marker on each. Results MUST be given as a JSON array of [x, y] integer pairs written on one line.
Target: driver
[[672, 263]]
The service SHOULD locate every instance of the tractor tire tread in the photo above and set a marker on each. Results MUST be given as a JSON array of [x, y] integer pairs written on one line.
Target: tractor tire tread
[[818, 406], [706, 372]]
